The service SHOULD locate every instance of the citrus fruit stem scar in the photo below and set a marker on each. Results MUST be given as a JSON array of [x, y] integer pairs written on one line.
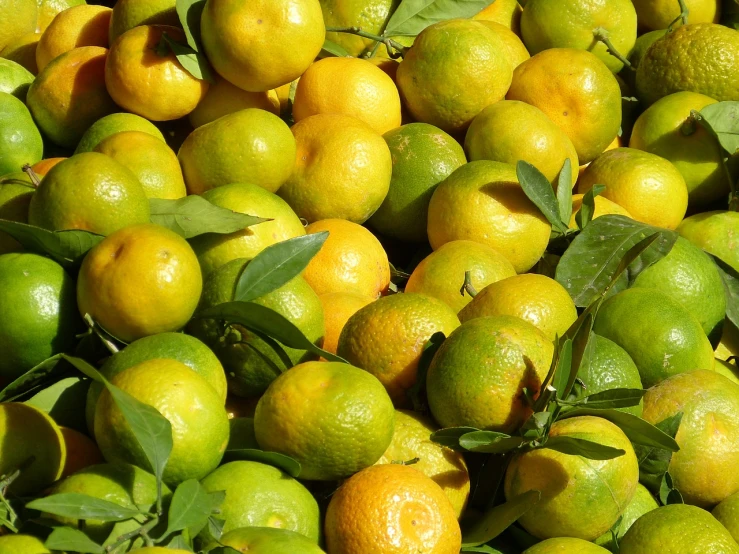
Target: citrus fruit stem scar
[[394, 48], [600, 34], [32, 175], [467, 285]]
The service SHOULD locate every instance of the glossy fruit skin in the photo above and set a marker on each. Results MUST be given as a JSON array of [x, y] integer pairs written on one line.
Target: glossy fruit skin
[[515, 48], [264, 44], [269, 540], [23, 52], [14, 78], [371, 16], [75, 27], [112, 124], [128, 14], [565, 545], [715, 232], [16, 192], [223, 98], [659, 14], [504, 12], [338, 307], [20, 140], [49, 9], [726, 513], [641, 503]]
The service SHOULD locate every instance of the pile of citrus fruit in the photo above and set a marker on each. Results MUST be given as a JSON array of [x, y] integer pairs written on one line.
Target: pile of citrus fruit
[[369, 276]]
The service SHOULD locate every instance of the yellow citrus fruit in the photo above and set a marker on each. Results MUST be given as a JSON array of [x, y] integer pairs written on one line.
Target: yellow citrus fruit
[[22, 544], [112, 124], [348, 86], [333, 418], [573, 24], [69, 95], [649, 187], [509, 131], [417, 515], [23, 51], [371, 16], [19, 18], [448, 87], [478, 374], [140, 281], [49, 9], [150, 159], [89, 191], [580, 498], [387, 337], [727, 512], [216, 250], [44, 166], [263, 44], [482, 201], [351, 260], [538, 299], [565, 545], [447, 468], [660, 14], [223, 98], [515, 48], [641, 503], [128, 14], [248, 146], [268, 540], [505, 12], [716, 232], [82, 451], [329, 179], [338, 307], [603, 206], [702, 469], [147, 82], [577, 91], [441, 274], [78, 26]]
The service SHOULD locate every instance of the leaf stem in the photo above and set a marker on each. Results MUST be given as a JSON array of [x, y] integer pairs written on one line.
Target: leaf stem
[[394, 49], [142, 531], [467, 285], [602, 35], [35, 179], [683, 17]]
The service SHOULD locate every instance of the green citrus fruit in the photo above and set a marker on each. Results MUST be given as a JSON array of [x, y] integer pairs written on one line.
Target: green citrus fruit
[[20, 140], [269, 540], [640, 504], [112, 124], [14, 78], [223, 98], [715, 232], [16, 190], [565, 545], [371, 16], [128, 14], [22, 544], [18, 17], [727, 512], [642, 44]]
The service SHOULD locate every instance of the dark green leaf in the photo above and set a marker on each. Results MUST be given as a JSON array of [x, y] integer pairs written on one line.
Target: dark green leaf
[[722, 120], [287, 363], [564, 192], [499, 518], [215, 527], [62, 401], [260, 318], [189, 13], [594, 258], [413, 16], [81, 506], [194, 215], [65, 247], [276, 265], [44, 372], [483, 548], [653, 460], [582, 447], [417, 392], [190, 507], [540, 192], [587, 208], [281, 461], [668, 494], [564, 369], [450, 436], [611, 399], [730, 277], [195, 63], [72, 540], [581, 342], [223, 550], [489, 442], [179, 542], [332, 49]]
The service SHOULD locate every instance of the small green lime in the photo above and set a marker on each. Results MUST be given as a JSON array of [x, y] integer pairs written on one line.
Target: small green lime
[[20, 139], [14, 78]]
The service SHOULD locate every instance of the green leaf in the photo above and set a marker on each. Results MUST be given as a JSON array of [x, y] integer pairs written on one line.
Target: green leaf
[[73, 540], [594, 259], [611, 399], [722, 120], [581, 342], [450, 436], [195, 63], [668, 494], [190, 507], [482, 548], [564, 369], [81, 506], [417, 392], [730, 277], [587, 208], [276, 265], [194, 215], [179, 542], [489, 442], [499, 518], [65, 247], [287, 464], [215, 527], [539, 190], [332, 49], [413, 16], [583, 447], [62, 401], [189, 13], [43, 373], [564, 192], [264, 320], [653, 460]]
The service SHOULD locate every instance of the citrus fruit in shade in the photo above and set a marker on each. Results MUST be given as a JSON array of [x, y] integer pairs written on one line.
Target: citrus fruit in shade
[[577, 91], [199, 422], [505, 12], [728, 370], [387, 337], [715, 232], [89, 191], [150, 84], [269, 540], [259, 495], [447, 468], [174, 346], [727, 512], [649, 187], [112, 124], [729, 344], [662, 337], [348, 86], [247, 146], [603, 206], [69, 95], [215, 250], [16, 191], [22, 544], [690, 276], [331, 179], [23, 52], [417, 515], [517, 52], [422, 156], [351, 260], [159, 550], [482, 201], [49, 9], [538, 299], [703, 469], [19, 18], [678, 529], [662, 13], [78, 26], [607, 366], [20, 140], [223, 98], [441, 274], [37, 298], [696, 58], [82, 451], [251, 363], [140, 281], [565, 545], [14, 78], [509, 131], [667, 129], [580, 497], [128, 14], [448, 87], [263, 44], [150, 159], [641, 503], [477, 376], [338, 307], [333, 418], [44, 166], [371, 17]]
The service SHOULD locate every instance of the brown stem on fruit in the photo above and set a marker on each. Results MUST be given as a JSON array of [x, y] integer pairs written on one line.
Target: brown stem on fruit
[[467, 285], [35, 179], [394, 49], [95, 328], [601, 35], [690, 125]]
